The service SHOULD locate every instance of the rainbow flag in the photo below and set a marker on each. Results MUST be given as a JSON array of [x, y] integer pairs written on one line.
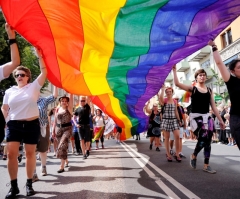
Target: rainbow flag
[[117, 51], [186, 97]]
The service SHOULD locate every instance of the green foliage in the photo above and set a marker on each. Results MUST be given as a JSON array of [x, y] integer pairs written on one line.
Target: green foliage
[[219, 82]]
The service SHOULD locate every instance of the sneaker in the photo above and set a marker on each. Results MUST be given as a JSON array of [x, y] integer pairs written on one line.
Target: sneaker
[[150, 147], [35, 178], [193, 162], [87, 153], [232, 144], [171, 151], [209, 170], [84, 157], [157, 149], [44, 171], [20, 158], [229, 144], [181, 155]]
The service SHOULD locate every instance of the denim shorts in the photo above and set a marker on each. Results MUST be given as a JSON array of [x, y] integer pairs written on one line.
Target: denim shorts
[[23, 131], [235, 128]]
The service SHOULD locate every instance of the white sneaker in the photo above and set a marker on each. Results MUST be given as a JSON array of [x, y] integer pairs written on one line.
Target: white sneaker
[[43, 171]]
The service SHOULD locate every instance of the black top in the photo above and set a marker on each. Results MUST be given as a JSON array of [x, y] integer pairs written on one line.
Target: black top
[[83, 114], [200, 101], [233, 86]]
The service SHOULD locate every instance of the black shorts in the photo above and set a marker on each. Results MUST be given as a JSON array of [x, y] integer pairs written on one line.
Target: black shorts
[[23, 131], [84, 133], [119, 129]]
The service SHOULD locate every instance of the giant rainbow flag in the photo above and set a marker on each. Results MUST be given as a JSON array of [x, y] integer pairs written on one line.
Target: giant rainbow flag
[[117, 51]]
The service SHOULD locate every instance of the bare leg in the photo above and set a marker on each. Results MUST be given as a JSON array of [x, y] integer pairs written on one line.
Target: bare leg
[[30, 159], [166, 142], [12, 164], [83, 147], [177, 141]]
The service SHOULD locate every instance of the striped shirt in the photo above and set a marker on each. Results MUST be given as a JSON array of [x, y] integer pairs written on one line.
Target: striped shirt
[[43, 103]]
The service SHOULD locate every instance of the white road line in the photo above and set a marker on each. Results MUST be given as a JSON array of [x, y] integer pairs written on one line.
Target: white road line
[[166, 189], [181, 188]]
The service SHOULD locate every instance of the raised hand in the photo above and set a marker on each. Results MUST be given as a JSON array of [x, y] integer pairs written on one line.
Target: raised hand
[[11, 33]]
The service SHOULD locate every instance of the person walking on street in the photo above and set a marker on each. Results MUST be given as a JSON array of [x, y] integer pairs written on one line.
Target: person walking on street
[[83, 112], [6, 69], [231, 78], [200, 121], [20, 104]]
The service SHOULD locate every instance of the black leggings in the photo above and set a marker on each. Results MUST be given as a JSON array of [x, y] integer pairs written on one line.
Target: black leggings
[[101, 138], [204, 142]]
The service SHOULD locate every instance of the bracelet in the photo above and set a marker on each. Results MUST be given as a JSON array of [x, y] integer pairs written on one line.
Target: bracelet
[[12, 41], [214, 49]]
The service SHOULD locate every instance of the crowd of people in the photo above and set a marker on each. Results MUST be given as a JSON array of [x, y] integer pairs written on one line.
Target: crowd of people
[[30, 123]]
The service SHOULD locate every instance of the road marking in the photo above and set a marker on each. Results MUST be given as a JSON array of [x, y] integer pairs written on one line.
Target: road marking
[[179, 186], [165, 188]]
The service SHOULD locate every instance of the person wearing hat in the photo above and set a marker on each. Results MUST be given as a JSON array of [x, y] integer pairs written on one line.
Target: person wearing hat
[[6, 69], [62, 129]]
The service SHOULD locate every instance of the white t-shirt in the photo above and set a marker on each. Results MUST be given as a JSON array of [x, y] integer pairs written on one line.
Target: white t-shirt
[[1, 73], [23, 101]]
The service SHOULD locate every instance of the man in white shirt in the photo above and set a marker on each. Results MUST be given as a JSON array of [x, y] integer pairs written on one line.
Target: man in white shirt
[[6, 69]]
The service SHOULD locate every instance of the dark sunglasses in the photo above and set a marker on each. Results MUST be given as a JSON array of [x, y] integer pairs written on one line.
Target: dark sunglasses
[[20, 75], [82, 100]]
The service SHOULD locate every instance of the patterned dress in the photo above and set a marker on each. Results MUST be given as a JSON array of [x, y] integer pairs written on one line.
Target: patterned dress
[[169, 121], [63, 134], [154, 125]]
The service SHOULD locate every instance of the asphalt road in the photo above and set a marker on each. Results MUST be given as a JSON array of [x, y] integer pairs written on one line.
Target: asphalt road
[[130, 170]]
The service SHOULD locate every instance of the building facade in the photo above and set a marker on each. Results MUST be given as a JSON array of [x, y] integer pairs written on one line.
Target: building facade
[[228, 43]]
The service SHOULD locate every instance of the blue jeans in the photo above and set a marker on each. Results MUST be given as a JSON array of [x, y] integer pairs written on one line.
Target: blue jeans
[[235, 128]]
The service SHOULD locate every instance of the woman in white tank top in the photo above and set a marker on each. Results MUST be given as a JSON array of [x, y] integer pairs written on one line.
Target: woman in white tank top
[[99, 126]]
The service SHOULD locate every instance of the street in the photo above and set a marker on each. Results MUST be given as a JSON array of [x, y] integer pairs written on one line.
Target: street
[[130, 170]]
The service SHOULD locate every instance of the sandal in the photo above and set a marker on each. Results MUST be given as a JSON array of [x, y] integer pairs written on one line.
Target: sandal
[[4, 157], [169, 159], [178, 159]]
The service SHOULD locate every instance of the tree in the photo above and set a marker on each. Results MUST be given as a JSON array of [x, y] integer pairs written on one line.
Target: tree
[[27, 55], [220, 83]]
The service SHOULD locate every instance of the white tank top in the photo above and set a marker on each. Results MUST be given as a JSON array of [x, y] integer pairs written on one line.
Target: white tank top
[[99, 121]]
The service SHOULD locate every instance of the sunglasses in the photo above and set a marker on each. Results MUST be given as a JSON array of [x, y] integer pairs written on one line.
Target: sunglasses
[[82, 100], [19, 75]]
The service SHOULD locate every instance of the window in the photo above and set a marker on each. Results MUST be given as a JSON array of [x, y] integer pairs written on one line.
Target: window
[[206, 64], [229, 35], [188, 76], [224, 41], [226, 38]]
